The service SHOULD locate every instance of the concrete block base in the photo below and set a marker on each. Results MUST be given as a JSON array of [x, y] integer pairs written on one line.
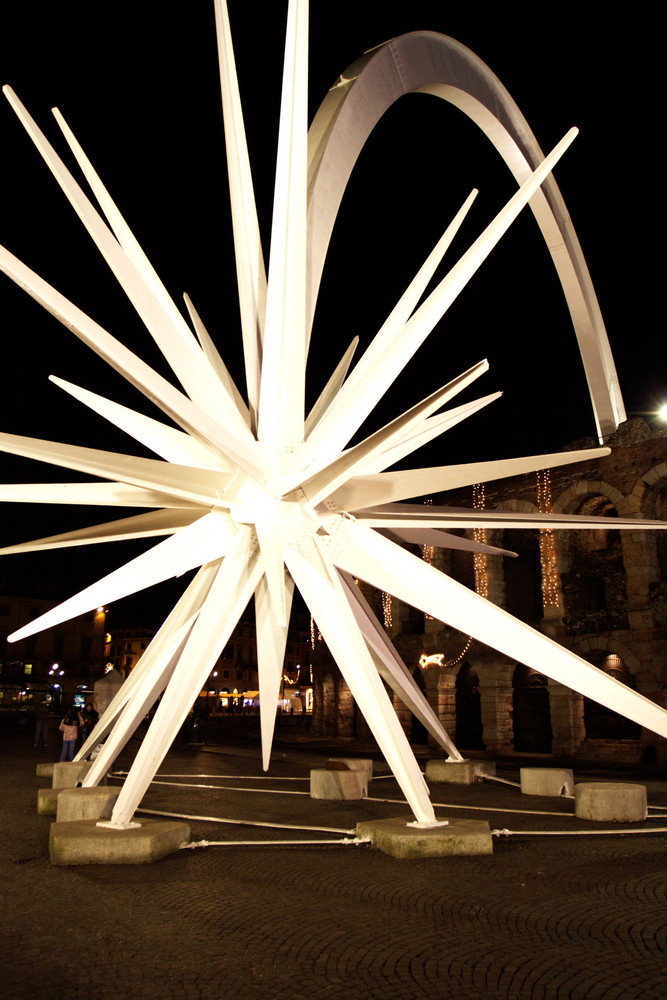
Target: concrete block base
[[86, 803], [66, 773], [326, 783], [547, 781], [44, 770], [47, 801], [610, 801], [84, 843], [395, 837], [458, 772], [362, 764]]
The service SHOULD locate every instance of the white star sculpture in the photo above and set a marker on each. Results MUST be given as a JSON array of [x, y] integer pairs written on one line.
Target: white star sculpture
[[260, 496]]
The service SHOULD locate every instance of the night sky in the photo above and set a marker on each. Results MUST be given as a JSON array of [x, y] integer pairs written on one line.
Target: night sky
[[139, 87]]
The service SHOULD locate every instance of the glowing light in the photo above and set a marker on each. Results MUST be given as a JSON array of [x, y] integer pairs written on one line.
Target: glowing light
[[480, 559], [431, 660], [548, 554], [387, 615]]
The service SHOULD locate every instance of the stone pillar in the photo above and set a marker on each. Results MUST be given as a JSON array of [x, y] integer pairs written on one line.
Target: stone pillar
[[640, 560], [496, 694], [567, 719], [344, 710], [446, 700], [404, 714]]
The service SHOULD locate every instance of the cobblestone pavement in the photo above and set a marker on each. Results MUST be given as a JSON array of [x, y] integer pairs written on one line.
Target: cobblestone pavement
[[544, 918]]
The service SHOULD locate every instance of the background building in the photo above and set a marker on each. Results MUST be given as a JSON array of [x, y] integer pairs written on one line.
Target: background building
[[601, 593], [59, 662]]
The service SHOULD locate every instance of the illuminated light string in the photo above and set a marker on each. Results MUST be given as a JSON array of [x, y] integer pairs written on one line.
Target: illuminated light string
[[387, 615], [315, 634], [548, 555], [428, 552], [481, 561]]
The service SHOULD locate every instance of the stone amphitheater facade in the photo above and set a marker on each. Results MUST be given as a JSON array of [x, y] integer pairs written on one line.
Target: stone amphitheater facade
[[605, 599]]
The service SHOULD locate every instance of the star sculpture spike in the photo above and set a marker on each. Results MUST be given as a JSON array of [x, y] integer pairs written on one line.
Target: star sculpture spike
[[260, 497]]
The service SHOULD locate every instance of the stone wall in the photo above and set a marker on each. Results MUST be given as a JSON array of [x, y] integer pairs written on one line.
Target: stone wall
[[609, 605]]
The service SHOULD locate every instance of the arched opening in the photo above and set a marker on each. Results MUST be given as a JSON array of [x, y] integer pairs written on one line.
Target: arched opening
[[523, 576], [531, 714], [418, 731], [600, 722], [594, 589], [469, 728]]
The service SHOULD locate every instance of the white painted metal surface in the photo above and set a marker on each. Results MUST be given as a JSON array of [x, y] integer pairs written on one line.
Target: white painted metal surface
[[256, 493]]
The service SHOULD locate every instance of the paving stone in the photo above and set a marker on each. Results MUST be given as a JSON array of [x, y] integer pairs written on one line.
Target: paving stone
[[543, 918]]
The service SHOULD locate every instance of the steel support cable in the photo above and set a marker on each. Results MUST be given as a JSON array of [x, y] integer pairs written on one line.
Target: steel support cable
[[348, 841], [243, 822]]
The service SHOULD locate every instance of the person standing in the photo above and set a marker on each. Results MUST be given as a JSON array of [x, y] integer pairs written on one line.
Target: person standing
[[41, 721], [90, 717], [70, 730]]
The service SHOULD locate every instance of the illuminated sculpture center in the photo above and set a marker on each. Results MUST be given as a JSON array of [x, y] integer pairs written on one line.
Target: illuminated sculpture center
[[260, 497]]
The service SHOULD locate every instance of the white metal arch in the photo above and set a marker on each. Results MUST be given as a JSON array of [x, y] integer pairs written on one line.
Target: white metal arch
[[431, 63]]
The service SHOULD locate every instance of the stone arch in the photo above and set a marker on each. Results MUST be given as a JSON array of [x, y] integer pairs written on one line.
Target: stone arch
[[427, 62], [601, 722], [592, 562], [571, 499], [611, 645], [649, 498], [468, 706]]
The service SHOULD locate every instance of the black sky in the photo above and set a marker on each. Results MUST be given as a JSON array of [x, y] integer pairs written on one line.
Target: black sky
[[138, 84]]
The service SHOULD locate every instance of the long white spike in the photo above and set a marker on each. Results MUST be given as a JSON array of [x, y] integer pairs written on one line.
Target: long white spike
[[386, 487], [199, 543], [432, 428], [162, 319], [225, 602], [174, 403], [419, 516], [148, 689], [332, 387], [269, 536], [326, 482], [391, 568], [310, 567], [214, 359], [159, 651], [444, 540], [251, 275], [282, 387], [271, 643], [151, 525], [362, 391], [120, 228], [200, 485], [392, 669], [167, 442], [339, 413], [92, 494]]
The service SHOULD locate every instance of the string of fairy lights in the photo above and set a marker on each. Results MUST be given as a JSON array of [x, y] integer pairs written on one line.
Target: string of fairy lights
[[548, 557], [548, 561], [428, 553], [480, 559]]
